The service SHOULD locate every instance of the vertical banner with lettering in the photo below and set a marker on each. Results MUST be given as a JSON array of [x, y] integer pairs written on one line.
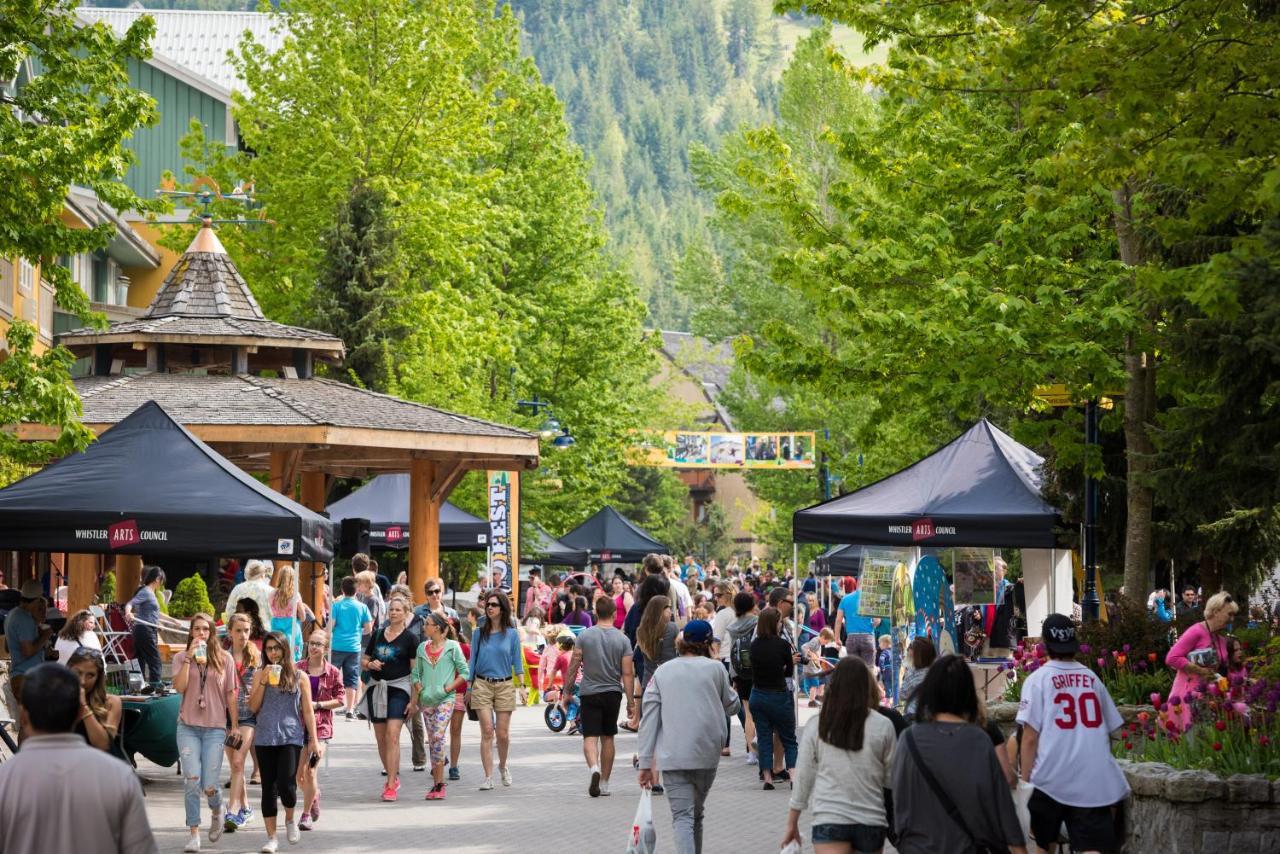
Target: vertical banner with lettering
[[504, 529]]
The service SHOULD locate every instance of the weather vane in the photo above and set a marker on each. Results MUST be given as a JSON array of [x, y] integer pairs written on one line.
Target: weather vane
[[205, 191]]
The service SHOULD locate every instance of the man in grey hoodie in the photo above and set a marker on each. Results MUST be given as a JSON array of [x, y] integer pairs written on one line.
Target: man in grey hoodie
[[744, 606], [682, 730]]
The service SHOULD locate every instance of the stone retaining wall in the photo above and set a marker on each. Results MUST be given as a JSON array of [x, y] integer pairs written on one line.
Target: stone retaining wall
[[1197, 812]]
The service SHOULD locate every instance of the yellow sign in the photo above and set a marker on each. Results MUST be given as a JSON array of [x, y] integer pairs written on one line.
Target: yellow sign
[[689, 450], [1056, 395]]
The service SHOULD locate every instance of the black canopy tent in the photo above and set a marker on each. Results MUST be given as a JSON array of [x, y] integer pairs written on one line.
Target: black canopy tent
[[982, 489], [384, 501], [840, 560], [610, 537], [544, 549], [148, 486]]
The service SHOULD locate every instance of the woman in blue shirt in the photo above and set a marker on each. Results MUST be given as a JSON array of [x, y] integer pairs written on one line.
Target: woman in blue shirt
[[496, 661]]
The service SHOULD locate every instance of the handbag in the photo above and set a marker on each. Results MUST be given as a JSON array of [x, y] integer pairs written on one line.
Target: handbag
[[943, 798]]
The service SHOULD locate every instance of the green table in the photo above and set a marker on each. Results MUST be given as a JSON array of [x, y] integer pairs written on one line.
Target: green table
[[151, 728]]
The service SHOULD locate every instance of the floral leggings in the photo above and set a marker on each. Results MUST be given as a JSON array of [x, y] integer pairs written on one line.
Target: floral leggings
[[437, 719]]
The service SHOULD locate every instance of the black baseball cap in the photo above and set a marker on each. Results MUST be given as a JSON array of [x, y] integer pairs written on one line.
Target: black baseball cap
[[1059, 635]]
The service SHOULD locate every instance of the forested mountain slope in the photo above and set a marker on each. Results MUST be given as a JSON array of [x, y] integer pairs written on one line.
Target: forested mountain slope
[[642, 82]]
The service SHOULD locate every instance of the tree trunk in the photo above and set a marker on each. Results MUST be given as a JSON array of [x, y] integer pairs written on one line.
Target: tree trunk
[[1139, 391], [1139, 409]]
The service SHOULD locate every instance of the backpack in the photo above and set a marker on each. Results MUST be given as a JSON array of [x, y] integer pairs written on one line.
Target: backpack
[[740, 654]]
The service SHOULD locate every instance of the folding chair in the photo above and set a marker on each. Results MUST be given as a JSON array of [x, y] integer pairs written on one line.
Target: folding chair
[[114, 649]]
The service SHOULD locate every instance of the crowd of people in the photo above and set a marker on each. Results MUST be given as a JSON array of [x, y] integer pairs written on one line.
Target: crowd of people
[[673, 653]]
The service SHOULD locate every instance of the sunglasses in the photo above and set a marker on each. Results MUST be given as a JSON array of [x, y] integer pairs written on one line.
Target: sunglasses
[[316, 644], [272, 648], [493, 604], [434, 591], [87, 652]]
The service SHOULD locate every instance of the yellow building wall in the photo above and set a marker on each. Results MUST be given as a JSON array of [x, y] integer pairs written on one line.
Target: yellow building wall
[[144, 284], [20, 306]]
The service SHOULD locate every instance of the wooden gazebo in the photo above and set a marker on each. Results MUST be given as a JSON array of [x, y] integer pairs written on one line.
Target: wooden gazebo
[[246, 386]]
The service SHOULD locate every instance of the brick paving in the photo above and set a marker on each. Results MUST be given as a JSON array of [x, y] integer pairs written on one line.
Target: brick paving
[[546, 810]]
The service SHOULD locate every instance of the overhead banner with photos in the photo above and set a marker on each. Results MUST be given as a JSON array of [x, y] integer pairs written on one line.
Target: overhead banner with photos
[[690, 450]]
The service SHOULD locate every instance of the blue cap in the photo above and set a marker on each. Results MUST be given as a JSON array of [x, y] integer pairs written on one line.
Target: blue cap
[[697, 631]]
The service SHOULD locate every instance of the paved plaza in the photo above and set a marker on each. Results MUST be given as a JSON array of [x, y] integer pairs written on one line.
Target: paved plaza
[[546, 810]]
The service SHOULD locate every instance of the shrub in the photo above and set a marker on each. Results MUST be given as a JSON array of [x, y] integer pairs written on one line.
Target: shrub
[[107, 589], [190, 597]]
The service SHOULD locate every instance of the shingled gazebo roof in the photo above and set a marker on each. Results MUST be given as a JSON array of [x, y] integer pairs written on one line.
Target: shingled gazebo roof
[[205, 300]]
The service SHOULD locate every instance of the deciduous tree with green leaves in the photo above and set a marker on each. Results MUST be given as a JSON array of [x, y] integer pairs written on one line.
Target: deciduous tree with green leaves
[[66, 108], [494, 284]]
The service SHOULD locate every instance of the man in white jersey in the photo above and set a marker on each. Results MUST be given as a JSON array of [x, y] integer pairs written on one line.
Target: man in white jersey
[[1067, 719]]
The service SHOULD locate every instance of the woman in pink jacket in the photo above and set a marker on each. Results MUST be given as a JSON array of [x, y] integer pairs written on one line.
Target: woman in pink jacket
[[1199, 654]]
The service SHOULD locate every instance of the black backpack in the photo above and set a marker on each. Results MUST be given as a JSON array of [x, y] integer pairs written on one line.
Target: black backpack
[[740, 653]]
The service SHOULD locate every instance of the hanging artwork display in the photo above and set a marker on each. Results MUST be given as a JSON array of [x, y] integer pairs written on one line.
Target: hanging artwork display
[[975, 576], [876, 583], [934, 606]]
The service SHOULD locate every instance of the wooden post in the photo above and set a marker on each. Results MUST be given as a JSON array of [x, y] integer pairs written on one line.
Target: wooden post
[[311, 581], [424, 527], [128, 576], [515, 541], [82, 581]]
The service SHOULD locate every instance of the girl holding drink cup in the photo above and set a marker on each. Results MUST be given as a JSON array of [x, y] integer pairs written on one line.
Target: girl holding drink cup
[[205, 677], [281, 699], [247, 660]]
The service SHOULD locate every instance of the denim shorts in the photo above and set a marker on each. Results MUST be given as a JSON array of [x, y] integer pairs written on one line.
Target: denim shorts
[[349, 664], [863, 837]]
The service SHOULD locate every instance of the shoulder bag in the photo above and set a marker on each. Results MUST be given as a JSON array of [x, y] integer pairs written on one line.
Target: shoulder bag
[[943, 798]]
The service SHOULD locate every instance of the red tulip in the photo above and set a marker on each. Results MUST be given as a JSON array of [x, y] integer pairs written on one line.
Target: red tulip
[[1128, 745], [1217, 745], [1220, 725]]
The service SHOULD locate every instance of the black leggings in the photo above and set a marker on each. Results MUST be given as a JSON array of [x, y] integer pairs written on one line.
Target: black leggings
[[147, 653], [279, 767]]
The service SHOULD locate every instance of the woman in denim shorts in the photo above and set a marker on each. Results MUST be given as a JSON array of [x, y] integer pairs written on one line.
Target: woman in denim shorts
[[845, 756]]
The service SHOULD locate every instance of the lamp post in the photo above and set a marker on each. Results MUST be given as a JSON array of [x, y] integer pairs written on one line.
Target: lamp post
[[550, 429], [1089, 604]]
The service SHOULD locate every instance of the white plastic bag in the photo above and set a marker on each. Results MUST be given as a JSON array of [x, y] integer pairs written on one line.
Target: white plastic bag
[[643, 838], [791, 847], [1021, 801]]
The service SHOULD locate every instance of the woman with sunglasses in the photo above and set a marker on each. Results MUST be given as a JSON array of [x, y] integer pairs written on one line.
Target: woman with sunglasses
[[100, 712], [205, 676], [247, 660], [388, 657], [438, 672], [496, 661], [281, 699], [326, 695]]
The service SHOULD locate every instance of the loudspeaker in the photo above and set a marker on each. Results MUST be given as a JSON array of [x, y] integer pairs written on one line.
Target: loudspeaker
[[355, 537]]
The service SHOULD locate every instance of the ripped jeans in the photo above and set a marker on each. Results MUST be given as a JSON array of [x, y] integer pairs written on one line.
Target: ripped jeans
[[200, 755]]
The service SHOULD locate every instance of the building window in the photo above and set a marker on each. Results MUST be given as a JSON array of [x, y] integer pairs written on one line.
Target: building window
[[46, 312], [101, 278], [26, 277], [6, 287]]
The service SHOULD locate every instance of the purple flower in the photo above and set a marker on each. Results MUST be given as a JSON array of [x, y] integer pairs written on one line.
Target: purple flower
[[1085, 648], [1033, 667], [1175, 700], [1041, 651], [1102, 663], [1155, 699], [1126, 647]]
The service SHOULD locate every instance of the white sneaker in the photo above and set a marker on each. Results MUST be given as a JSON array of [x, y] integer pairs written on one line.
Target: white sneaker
[[193, 844], [487, 785], [506, 776], [215, 826], [292, 833], [751, 759], [272, 845], [604, 788]]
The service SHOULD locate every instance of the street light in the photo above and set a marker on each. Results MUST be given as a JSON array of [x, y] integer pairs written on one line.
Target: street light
[[551, 429]]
